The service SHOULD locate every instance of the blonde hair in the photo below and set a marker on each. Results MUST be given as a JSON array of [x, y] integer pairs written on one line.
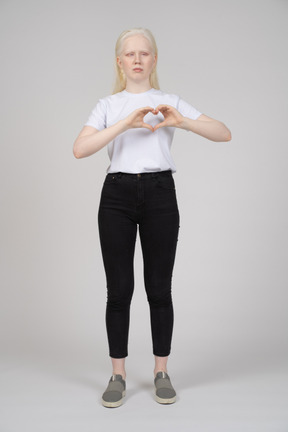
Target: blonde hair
[[120, 80]]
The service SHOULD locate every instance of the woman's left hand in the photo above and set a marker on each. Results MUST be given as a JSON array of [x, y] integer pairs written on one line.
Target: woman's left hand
[[172, 117]]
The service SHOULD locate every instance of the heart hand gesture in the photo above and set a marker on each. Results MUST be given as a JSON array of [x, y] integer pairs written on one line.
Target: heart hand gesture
[[135, 119], [172, 117]]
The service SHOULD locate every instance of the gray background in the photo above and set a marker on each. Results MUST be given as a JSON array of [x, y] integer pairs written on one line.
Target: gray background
[[229, 350]]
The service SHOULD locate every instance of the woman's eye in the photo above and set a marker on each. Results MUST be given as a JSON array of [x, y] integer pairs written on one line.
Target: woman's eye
[[131, 54]]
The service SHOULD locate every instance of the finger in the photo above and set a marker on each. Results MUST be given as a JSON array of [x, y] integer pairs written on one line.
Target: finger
[[146, 125], [146, 109], [162, 107], [159, 125]]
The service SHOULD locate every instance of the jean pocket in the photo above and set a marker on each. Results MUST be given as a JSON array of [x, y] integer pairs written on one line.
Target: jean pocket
[[166, 182], [110, 179]]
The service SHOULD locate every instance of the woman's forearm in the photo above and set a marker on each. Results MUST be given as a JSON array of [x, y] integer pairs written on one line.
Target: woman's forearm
[[213, 130], [86, 145]]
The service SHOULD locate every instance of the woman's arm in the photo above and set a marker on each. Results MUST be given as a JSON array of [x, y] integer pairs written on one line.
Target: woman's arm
[[205, 126], [91, 140]]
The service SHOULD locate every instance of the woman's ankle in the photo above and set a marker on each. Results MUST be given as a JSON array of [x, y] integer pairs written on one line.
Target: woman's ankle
[[118, 366], [160, 364], [159, 370], [123, 374]]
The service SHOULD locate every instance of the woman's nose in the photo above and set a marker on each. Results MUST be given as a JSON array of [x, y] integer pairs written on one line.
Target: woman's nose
[[137, 58]]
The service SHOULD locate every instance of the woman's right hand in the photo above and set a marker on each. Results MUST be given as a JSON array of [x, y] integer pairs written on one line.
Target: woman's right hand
[[90, 140], [135, 119]]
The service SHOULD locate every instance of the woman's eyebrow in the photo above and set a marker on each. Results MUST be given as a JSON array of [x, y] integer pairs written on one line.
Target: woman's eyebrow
[[132, 50]]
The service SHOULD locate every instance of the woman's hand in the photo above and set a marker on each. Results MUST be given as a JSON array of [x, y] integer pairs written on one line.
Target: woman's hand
[[172, 117], [135, 119]]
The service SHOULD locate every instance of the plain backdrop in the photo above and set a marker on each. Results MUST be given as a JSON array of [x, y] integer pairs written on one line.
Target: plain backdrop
[[229, 60]]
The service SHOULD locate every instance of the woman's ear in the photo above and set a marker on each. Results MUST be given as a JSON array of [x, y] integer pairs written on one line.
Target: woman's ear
[[155, 61]]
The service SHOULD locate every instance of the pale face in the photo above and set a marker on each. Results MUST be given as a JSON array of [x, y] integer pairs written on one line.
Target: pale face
[[137, 54]]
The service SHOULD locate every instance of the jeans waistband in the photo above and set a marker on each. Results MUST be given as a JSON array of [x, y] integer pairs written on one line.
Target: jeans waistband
[[141, 174]]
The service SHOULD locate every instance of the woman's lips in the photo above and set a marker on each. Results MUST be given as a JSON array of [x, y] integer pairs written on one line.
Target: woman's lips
[[137, 69]]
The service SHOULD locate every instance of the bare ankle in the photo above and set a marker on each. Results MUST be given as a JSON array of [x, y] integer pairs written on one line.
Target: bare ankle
[[159, 370], [160, 364], [118, 366], [123, 374]]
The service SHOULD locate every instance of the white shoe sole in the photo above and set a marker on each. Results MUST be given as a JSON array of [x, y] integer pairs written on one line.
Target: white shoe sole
[[165, 401]]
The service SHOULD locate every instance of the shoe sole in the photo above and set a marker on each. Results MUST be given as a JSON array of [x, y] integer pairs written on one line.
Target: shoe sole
[[114, 404], [165, 401]]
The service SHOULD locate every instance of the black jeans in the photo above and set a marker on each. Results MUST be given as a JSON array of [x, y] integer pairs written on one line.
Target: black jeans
[[147, 200]]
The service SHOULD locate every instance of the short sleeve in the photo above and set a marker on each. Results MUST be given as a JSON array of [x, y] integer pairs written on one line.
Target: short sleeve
[[97, 117], [187, 110]]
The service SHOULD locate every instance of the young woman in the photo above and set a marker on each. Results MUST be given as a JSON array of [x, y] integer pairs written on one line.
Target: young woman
[[137, 123]]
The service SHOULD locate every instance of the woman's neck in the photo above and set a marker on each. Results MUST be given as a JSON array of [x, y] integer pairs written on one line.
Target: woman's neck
[[137, 88]]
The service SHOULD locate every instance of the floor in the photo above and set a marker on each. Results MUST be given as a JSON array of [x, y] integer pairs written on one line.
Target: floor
[[58, 394]]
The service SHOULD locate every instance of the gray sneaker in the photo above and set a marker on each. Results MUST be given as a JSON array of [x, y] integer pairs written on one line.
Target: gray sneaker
[[115, 391], [164, 391]]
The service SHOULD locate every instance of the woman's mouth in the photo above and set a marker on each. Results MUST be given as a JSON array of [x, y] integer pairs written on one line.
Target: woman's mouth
[[137, 69]]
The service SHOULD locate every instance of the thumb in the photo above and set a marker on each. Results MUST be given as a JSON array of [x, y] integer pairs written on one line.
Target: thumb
[[147, 126], [159, 125]]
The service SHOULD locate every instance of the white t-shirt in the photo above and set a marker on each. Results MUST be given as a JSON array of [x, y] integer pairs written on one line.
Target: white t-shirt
[[139, 149]]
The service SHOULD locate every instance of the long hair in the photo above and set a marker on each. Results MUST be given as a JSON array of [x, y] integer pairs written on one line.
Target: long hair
[[120, 79]]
